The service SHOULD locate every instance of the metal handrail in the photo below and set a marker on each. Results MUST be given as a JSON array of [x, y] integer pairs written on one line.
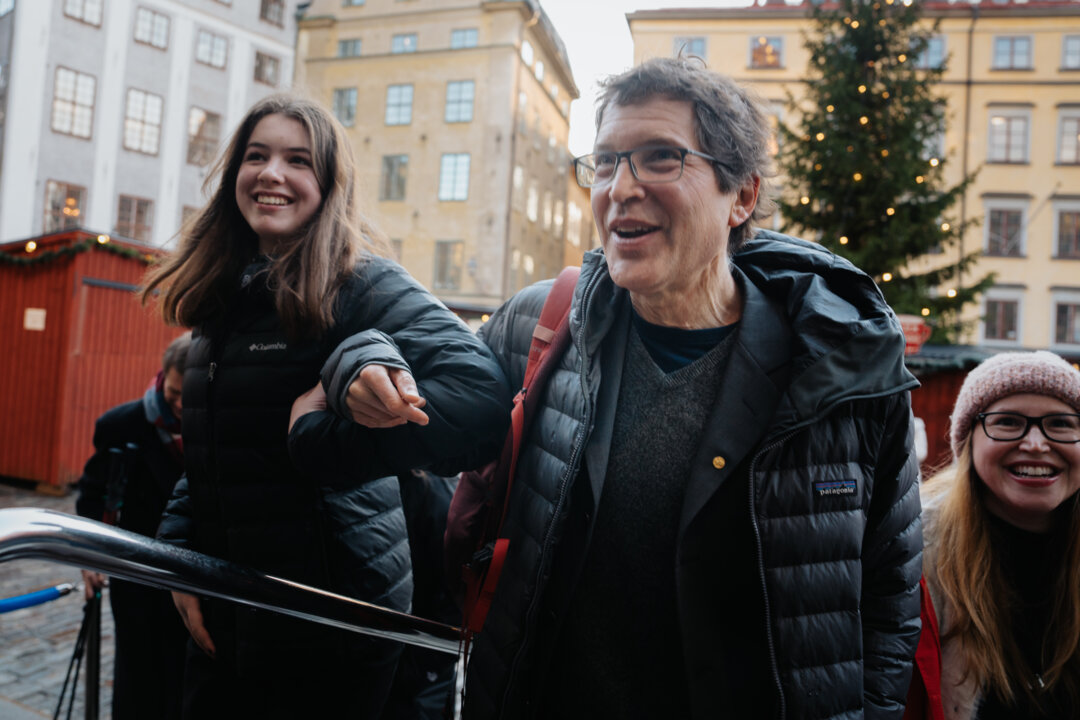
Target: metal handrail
[[91, 545]]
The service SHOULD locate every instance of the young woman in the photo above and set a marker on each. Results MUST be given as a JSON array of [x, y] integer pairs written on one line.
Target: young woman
[[1002, 557], [274, 273]]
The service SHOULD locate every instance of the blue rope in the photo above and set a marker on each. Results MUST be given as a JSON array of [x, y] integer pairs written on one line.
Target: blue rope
[[35, 598]]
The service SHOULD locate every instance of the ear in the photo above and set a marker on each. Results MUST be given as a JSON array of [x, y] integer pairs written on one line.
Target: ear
[[745, 202]]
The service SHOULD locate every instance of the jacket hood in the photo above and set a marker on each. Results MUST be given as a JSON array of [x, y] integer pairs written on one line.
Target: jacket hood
[[846, 341]]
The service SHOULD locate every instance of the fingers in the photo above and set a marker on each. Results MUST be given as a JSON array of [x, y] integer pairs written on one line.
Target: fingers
[[92, 583], [382, 397], [191, 613], [313, 400]]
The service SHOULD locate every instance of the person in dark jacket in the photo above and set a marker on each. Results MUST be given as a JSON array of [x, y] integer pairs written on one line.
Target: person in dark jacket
[[126, 482], [274, 274], [715, 511]]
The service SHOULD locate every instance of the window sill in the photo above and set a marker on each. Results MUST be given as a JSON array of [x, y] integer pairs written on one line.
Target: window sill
[[1005, 257], [766, 67], [1012, 69], [1008, 162]]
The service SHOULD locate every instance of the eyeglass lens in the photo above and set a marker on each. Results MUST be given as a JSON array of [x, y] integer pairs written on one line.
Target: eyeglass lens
[[1013, 426], [649, 164]]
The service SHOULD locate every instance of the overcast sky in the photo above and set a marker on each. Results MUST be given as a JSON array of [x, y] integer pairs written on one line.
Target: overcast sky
[[597, 39]]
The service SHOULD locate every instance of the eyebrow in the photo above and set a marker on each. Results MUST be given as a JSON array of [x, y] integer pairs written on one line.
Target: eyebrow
[[264, 146], [651, 142]]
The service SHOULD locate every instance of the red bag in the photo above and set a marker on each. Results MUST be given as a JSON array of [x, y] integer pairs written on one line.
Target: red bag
[[473, 549]]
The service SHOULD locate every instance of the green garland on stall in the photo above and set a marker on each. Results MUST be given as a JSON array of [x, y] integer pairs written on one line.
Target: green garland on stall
[[37, 258]]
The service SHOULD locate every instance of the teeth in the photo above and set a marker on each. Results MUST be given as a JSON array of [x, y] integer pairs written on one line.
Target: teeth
[[271, 200], [1033, 470]]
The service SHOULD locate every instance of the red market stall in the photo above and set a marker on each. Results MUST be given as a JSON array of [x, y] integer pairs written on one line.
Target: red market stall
[[76, 342]]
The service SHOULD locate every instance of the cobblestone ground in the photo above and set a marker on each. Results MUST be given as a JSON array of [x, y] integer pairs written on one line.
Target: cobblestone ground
[[36, 643]]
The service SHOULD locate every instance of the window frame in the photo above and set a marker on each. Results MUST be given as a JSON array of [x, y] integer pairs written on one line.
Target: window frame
[[154, 17], [458, 104], [212, 45], [1067, 51], [464, 32], [143, 123], [1061, 207], [74, 102], [1011, 40], [1008, 115], [202, 146], [456, 266], [687, 42], [346, 115], [453, 182], [924, 60], [1002, 296], [273, 12], [397, 106], [46, 226], [1058, 298], [399, 43], [1005, 205], [354, 43], [263, 61], [80, 13], [755, 42], [1067, 115], [394, 172], [134, 225]]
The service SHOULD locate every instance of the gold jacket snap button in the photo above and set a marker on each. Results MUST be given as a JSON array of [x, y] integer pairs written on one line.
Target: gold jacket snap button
[[719, 462]]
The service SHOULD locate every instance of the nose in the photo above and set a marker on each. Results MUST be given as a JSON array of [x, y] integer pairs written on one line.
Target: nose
[[272, 172], [1034, 439], [624, 185]]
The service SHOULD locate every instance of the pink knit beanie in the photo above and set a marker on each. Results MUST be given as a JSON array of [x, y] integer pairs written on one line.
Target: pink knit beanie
[[1012, 373]]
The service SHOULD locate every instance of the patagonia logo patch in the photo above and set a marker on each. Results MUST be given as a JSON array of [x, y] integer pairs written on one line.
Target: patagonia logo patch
[[835, 487]]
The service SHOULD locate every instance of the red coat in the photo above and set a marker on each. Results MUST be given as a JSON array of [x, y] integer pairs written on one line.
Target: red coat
[[924, 695]]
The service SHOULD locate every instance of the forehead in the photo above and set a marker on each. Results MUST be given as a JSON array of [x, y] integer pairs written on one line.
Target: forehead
[[657, 119], [278, 129], [1030, 404]]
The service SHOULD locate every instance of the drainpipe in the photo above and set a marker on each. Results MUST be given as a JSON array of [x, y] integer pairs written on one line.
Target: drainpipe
[[964, 153], [513, 145]]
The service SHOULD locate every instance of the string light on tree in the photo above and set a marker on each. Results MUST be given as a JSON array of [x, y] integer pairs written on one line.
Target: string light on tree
[[926, 312], [945, 227], [843, 240], [857, 177], [886, 277], [890, 212], [804, 200], [934, 162]]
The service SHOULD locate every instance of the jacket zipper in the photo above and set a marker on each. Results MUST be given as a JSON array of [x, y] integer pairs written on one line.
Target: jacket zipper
[[572, 466]]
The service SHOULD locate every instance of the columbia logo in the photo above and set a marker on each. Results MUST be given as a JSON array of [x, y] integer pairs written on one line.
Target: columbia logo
[[267, 346], [835, 487]]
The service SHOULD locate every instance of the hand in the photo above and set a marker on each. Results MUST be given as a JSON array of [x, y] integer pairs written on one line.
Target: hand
[[191, 614], [382, 397], [313, 400], [92, 583]]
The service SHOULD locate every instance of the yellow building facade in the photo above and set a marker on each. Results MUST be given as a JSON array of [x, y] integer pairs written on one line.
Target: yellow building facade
[[458, 115], [1012, 88]]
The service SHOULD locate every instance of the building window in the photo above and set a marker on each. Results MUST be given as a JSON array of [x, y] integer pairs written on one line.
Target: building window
[[89, 11], [211, 49], [766, 52], [204, 134], [459, 101], [352, 3], [1008, 136], [273, 11], [1005, 232], [527, 52], [558, 219], [538, 70], [1069, 137], [151, 28], [689, 47], [63, 206], [349, 48], [1070, 52], [397, 247], [1067, 322], [463, 38], [574, 217], [547, 210], [404, 43], [454, 176], [933, 57], [73, 103], [345, 106], [142, 122], [1068, 233], [518, 183], [1012, 52], [135, 217], [1000, 320], [394, 173], [266, 68], [532, 205], [399, 104], [6, 6], [449, 261]]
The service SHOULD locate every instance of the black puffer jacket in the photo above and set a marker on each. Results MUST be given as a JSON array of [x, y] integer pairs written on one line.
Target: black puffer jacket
[[319, 505], [815, 392]]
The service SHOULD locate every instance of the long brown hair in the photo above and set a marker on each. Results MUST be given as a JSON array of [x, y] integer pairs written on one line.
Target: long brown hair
[[307, 273], [976, 590]]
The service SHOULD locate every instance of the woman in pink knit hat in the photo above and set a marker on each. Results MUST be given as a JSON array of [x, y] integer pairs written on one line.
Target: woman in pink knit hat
[[1002, 556]]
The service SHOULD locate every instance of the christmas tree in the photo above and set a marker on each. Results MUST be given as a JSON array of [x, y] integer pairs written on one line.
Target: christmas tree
[[864, 166]]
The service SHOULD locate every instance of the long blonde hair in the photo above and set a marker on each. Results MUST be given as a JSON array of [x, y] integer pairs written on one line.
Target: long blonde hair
[[962, 564], [307, 273]]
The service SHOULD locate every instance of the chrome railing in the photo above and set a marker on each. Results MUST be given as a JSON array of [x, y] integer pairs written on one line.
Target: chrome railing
[[83, 543]]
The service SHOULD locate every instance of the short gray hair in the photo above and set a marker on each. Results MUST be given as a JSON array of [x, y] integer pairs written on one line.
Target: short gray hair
[[732, 123], [175, 355]]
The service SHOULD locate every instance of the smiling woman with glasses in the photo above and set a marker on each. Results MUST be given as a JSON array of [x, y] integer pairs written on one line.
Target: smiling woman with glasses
[[1002, 555]]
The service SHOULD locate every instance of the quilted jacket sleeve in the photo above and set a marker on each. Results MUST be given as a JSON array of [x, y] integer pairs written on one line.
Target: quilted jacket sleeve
[[391, 320], [177, 526], [892, 566]]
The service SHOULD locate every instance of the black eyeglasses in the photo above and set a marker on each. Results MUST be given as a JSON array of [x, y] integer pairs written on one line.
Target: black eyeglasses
[[651, 164], [1060, 427]]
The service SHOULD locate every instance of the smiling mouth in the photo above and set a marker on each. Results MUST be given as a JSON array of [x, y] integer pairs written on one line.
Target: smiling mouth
[[628, 233], [1034, 472], [271, 200]]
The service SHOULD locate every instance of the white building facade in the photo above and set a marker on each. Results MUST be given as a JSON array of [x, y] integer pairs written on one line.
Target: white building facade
[[112, 111]]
